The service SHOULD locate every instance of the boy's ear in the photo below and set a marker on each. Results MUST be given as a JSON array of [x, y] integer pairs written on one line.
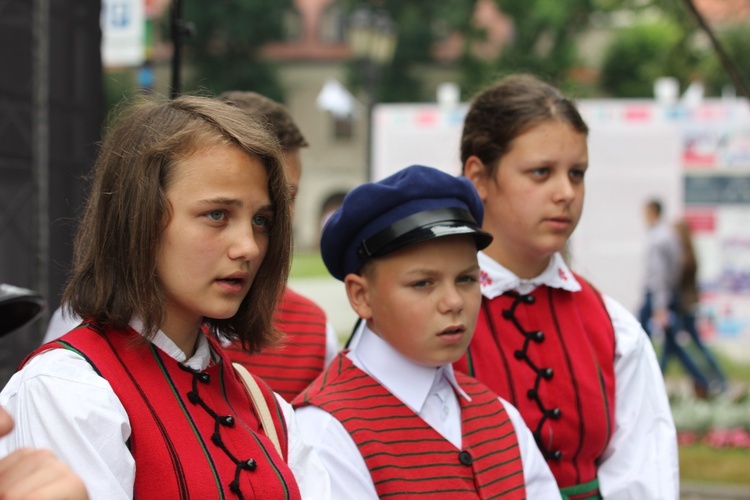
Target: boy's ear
[[476, 172], [357, 291]]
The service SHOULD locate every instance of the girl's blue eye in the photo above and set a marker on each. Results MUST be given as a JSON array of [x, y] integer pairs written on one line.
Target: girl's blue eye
[[216, 215], [260, 221]]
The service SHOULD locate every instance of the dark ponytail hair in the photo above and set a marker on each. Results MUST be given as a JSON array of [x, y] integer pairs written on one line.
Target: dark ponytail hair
[[507, 109]]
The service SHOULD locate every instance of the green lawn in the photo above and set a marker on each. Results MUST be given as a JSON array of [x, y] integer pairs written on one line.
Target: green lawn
[[733, 370], [701, 463], [308, 265]]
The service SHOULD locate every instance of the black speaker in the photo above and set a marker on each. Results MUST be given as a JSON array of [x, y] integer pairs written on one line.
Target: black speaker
[[51, 108]]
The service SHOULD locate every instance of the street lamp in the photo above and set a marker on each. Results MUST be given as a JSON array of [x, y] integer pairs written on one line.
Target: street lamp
[[372, 39], [179, 30]]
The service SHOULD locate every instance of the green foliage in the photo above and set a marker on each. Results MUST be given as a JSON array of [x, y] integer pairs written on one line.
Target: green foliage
[[223, 53], [735, 39], [544, 42], [420, 24], [119, 86], [643, 52], [681, 50]]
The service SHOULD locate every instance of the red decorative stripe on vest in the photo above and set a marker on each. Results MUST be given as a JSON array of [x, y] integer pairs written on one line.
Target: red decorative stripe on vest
[[294, 364], [194, 434], [551, 354], [405, 456]]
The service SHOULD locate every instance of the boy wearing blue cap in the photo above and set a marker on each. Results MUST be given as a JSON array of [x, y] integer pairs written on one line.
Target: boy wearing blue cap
[[390, 418]]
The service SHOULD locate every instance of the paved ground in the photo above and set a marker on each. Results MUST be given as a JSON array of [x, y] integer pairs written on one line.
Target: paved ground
[[329, 294], [706, 491]]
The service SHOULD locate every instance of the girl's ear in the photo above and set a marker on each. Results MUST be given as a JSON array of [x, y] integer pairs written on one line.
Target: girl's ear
[[358, 293], [477, 173]]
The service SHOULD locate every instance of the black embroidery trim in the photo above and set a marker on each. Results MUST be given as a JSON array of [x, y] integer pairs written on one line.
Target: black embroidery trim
[[536, 336], [226, 421]]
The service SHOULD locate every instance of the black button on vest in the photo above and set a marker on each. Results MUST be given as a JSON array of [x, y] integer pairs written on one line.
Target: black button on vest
[[465, 458]]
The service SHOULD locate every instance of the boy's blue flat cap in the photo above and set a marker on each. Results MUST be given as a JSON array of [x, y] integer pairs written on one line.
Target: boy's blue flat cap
[[413, 205]]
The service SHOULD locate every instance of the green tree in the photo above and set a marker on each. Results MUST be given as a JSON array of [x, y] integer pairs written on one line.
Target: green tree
[[223, 54], [735, 39], [675, 46], [545, 39], [420, 24], [546, 35], [643, 52]]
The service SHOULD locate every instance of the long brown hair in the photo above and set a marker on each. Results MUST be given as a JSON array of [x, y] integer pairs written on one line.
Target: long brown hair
[[689, 294], [502, 112], [114, 276]]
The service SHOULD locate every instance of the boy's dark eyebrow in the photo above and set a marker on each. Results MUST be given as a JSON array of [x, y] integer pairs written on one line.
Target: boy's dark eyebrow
[[472, 269], [422, 270]]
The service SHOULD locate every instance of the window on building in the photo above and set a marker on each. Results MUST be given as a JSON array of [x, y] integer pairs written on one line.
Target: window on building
[[343, 128], [333, 25]]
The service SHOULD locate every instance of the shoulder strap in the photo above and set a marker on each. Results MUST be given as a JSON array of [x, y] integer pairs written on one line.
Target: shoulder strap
[[260, 405]]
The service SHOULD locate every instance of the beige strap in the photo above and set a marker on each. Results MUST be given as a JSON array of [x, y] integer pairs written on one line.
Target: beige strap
[[260, 405]]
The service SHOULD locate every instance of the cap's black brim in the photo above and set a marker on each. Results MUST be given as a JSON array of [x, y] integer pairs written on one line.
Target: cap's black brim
[[481, 238]]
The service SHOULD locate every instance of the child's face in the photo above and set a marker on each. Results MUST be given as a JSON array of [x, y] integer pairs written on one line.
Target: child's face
[[424, 299], [535, 198], [216, 239]]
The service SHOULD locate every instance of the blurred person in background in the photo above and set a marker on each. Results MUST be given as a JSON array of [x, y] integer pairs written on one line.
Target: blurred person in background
[[686, 303], [662, 273], [670, 279]]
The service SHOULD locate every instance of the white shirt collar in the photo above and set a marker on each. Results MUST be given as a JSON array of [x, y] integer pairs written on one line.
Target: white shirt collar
[[496, 279], [391, 369], [199, 361]]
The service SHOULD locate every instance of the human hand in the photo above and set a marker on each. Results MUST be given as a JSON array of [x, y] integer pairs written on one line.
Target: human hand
[[36, 474]]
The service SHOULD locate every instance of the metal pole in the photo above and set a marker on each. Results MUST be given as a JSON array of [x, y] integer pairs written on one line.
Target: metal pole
[[371, 74], [177, 29], [40, 143]]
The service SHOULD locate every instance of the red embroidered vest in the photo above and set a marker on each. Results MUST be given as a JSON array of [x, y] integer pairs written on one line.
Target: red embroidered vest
[[405, 456], [194, 434], [294, 364], [551, 354]]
